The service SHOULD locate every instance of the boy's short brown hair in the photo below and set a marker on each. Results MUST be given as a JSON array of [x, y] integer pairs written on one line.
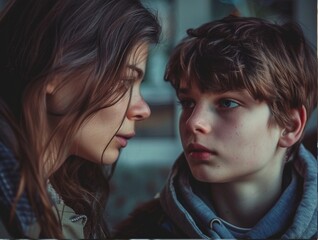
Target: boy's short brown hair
[[273, 62]]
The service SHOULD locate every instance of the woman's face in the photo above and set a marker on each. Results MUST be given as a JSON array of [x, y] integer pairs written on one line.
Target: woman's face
[[102, 136], [100, 130]]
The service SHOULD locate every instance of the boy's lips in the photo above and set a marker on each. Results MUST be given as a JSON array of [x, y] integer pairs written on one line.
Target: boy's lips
[[198, 151]]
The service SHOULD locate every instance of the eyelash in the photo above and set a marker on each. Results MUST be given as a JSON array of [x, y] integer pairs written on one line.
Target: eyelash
[[127, 82], [223, 101], [188, 104]]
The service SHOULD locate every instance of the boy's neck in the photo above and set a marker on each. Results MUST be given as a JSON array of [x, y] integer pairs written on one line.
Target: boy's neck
[[244, 203]]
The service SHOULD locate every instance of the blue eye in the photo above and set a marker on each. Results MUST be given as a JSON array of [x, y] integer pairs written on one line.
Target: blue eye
[[227, 103]]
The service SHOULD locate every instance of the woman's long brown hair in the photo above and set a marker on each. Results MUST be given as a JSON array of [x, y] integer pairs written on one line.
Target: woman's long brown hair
[[88, 42]]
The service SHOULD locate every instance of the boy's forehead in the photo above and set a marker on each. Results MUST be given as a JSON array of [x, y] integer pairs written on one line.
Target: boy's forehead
[[187, 83], [214, 83], [186, 87], [184, 83]]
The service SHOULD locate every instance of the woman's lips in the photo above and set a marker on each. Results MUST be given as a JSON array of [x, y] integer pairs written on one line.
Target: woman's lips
[[123, 139]]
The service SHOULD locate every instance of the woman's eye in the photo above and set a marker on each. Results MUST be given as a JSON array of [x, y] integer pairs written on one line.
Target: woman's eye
[[186, 103], [227, 103], [127, 82]]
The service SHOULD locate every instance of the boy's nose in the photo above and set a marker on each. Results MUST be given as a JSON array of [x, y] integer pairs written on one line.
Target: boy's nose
[[199, 121], [138, 110]]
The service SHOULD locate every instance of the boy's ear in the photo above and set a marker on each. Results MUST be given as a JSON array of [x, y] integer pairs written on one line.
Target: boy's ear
[[292, 133]]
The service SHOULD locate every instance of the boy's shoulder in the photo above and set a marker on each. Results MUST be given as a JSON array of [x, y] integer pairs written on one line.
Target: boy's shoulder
[[146, 221]]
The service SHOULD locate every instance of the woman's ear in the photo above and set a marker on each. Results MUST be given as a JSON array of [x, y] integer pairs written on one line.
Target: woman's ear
[[51, 86], [292, 133]]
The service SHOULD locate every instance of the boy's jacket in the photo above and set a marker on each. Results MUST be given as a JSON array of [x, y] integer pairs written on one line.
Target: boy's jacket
[[182, 211]]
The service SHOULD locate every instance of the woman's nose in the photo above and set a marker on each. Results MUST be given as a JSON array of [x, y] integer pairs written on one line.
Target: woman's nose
[[138, 109]]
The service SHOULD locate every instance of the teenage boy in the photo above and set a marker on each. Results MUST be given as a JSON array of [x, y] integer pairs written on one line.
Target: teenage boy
[[247, 88]]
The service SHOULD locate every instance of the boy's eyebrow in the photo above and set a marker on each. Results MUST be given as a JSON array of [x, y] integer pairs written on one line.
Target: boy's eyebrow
[[187, 90], [183, 90], [140, 73]]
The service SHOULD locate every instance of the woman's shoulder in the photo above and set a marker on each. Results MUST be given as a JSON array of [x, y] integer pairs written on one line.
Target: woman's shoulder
[[9, 183], [146, 221]]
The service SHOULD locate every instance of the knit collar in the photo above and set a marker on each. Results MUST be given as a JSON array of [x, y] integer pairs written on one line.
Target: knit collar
[[9, 182]]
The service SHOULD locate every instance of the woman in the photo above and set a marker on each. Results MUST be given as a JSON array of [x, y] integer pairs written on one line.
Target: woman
[[70, 77]]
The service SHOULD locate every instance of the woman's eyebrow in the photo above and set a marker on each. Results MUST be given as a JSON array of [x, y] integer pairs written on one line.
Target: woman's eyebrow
[[140, 73]]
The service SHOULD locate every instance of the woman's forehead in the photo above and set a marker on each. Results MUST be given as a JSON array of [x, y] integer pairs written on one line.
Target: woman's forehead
[[139, 54]]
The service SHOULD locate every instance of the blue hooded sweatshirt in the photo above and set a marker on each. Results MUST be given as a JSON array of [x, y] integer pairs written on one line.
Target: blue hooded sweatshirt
[[294, 215]]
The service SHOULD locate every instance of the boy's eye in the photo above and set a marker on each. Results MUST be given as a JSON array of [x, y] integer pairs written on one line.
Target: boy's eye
[[227, 103], [186, 103]]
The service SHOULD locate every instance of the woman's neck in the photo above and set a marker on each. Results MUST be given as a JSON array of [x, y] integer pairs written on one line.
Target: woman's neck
[[244, 203]]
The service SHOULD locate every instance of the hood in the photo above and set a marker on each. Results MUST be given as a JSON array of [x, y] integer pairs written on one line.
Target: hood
[[304, 224], [186, 209], [294, 215]]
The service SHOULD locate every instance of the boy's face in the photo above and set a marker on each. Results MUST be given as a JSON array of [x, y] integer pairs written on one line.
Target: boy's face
[[227, 136]]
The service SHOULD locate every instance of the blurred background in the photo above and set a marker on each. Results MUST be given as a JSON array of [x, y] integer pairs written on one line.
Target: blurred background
[[144, 164]]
